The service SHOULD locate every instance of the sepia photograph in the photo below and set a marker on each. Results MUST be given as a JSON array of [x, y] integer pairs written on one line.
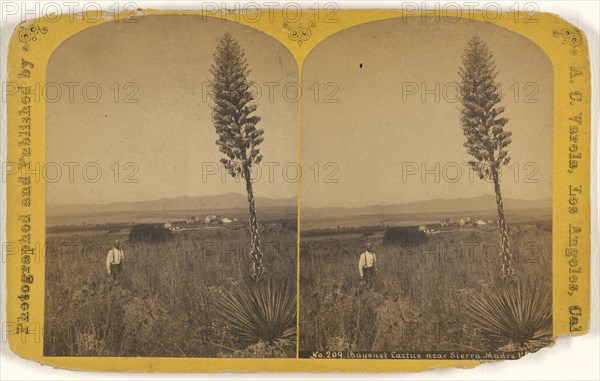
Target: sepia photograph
[[167, 235], [432, 238], [261, 187]]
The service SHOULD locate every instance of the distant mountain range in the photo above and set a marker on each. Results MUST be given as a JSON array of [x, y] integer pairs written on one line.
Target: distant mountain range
[[219, 202], [239, 201], [438, 205]]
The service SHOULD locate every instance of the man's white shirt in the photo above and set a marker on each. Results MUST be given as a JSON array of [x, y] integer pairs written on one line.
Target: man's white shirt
[[367, 259], [114, 257]]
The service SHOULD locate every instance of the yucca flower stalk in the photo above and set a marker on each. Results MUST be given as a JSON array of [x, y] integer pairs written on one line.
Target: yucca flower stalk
[[487, 138], [234, 116]]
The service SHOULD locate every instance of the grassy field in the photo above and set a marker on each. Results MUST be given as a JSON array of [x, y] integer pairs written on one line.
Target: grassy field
[[421, 295], [166, 301]]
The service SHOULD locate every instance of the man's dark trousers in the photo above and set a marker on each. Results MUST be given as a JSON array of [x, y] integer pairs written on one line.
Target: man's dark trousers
[[115, 270], [369, 274]]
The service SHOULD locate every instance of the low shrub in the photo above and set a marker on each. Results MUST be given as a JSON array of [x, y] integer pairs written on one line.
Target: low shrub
[[149, 233], [516, 316], [260, 312], [404, 235]]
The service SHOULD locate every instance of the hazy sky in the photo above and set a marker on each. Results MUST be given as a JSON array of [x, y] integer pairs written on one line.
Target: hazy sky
[[375, 136], [169, 132]]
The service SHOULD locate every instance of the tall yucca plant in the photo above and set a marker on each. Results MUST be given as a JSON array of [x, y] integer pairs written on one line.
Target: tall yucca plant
[[487, 139], [262, 312], [235, 120], [516, 315]]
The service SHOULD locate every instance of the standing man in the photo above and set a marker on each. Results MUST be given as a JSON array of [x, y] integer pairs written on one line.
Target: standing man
[[367, 265], [114, 261]]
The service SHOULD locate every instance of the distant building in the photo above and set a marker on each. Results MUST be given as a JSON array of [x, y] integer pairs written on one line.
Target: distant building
[[480, 222], [226, 220], [168, 225], [423, 228]]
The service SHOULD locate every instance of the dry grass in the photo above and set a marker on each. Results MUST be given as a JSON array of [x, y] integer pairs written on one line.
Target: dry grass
[[421, 295], [166, 301]]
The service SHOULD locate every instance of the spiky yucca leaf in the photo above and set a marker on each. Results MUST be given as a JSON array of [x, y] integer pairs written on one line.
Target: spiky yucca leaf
[[516, 315], [260, 312]]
